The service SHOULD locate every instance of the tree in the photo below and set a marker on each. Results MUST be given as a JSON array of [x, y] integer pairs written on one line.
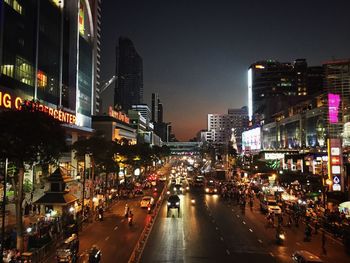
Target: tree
[[29, 137]]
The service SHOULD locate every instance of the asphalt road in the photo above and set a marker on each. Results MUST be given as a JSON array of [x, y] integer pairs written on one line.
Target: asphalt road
[[113, 235], [204, 232], [214, 230]]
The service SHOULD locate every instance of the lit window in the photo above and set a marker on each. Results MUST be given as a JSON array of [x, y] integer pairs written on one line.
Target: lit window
[[7, 70], [15, 5], [24, 71], [42, 79]]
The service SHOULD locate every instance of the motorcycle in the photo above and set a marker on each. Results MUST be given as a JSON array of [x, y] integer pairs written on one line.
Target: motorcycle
[[280, 237], [130, 219], [95, 255]]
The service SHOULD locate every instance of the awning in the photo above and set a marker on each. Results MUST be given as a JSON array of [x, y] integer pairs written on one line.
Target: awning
[[56, 199]]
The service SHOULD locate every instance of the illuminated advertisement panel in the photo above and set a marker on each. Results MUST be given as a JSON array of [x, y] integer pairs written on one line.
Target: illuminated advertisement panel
[[251, 140], [335, 165], [250, 94], [333, 107]]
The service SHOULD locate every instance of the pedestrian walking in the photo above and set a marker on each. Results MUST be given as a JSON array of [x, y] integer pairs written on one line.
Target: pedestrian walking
[[324, 251]]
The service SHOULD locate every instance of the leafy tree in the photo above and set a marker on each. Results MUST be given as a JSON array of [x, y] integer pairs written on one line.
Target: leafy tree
[[28, 137]]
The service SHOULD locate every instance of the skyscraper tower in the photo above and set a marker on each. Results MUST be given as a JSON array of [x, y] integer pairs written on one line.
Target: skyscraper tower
[[155, 99], [129, 69], [160, 112]]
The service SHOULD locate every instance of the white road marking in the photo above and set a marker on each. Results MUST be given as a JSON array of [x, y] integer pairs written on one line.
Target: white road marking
[[233, 210], [298, 243], [272, 255], [260, 241], [222, 239], [250, 230], [122, 220], [237, 216], [116, 227], [228, 252], [243, 222], [216, 228], [107, 238]]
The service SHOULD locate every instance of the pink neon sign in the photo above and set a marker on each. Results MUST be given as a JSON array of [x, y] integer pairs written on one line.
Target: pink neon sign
[[333, 107]]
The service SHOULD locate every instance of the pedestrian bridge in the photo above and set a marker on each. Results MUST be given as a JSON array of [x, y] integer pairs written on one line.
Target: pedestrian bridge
[[184, 148]]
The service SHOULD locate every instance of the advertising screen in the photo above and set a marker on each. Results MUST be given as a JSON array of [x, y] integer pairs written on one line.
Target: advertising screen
[[251, 140]]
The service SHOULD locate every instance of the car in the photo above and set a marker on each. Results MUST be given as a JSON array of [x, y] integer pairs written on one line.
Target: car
[[146, 201], [269, 206], [304, 256], [173, 202], [178, 189], [162, 178]]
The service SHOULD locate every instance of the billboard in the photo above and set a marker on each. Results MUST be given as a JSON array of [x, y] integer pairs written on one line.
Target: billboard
[[333, 107], [335, 164], [251, 140]]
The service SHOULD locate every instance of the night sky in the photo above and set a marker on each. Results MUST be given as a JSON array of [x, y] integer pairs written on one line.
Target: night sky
[[196, 52]]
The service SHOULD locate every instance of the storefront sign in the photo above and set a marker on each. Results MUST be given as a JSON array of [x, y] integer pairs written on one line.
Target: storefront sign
[[118, 115], [274, 156], [251, 140], [335, 164], [9, 101]]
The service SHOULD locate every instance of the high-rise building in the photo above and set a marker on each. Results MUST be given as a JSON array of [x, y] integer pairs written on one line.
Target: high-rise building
[[96, 13], [160, 112], [273, 86], [129, 69], [155, 100], [144, 110], [337, 85], [315, 77], [238, 119], [48, 55]]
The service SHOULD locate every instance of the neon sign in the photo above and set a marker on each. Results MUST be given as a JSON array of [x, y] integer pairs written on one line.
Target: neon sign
[[333, 107], [118, 115], [13, 102]]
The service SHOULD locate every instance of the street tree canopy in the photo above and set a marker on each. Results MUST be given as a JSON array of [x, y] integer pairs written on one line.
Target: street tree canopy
[[29, 137]]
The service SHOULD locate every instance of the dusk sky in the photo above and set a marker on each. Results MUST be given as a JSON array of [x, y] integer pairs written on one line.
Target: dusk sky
[[196, 52]]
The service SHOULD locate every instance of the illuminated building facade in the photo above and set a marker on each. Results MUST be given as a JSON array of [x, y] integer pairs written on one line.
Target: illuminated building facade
[[273, 86], [50, 53]]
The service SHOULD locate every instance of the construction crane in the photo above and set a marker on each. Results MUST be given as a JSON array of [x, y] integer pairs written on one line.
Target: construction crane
[[108, 83]]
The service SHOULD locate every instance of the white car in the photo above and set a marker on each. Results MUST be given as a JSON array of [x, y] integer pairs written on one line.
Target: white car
[[146, 201], [273, 207]]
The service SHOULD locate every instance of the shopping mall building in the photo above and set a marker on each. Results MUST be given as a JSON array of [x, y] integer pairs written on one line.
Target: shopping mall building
[[313, 136], [49, 52]]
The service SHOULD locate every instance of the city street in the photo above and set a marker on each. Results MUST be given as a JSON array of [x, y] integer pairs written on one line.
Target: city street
[[113, 235], [215, 230]]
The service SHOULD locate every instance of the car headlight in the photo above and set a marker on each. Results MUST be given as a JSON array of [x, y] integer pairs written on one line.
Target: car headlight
[[177, 203], [187, 188], [181, 189], [215, 190], [174, 189], [169, 203], [207, 189], [168, 192]]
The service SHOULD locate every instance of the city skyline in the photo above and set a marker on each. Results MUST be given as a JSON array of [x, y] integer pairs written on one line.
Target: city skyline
[[199, 54]]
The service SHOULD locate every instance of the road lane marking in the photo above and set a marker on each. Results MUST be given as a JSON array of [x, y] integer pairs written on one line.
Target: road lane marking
[[233, 210], [272, 255], [298, 243], [107, 238], [115, 228], [213, 221], [216, 228], [222, 239], [237, 216], [122, 220], [250, 230], [228, 252], [243, 222], [260, 241]]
